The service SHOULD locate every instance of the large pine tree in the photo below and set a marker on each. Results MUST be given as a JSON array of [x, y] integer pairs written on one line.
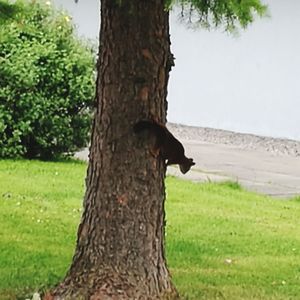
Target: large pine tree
[[120, 246]]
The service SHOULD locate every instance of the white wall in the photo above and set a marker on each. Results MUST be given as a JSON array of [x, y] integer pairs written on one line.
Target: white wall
[[249, 83]]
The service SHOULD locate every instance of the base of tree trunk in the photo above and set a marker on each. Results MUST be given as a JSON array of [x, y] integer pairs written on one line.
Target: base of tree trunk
[[115, 286]]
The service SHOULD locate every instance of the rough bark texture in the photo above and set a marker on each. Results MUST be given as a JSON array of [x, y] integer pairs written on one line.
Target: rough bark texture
[[120, 246]]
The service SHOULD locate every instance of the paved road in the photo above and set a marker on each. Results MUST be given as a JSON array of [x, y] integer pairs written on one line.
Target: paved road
[[259, 171]]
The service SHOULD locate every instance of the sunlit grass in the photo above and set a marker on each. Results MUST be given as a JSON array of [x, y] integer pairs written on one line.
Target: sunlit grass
[[222, 242], [40, 206], [226, 243]]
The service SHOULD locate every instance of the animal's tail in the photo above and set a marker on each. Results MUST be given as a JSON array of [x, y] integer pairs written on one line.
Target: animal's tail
[[152, 126]]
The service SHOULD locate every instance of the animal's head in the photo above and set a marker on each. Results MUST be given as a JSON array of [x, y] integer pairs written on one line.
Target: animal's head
[[186, 165]]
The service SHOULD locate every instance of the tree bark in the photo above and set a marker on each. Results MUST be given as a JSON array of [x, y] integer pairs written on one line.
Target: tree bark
[[120, 245]]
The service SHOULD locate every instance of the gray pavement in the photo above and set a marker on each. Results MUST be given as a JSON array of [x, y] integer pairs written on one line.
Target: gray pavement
[[260, 171], [256, 170]]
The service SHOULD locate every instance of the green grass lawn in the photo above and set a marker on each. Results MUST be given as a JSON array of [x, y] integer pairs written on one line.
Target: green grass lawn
[[222, 242]]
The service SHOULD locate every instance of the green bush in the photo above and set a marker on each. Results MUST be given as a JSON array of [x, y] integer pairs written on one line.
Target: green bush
[[47, 81]]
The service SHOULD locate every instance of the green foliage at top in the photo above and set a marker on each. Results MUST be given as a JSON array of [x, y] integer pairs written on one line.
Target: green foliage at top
[[46, 82], [230, 14]]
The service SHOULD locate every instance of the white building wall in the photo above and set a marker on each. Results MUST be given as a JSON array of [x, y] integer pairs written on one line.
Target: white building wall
[[249, 83]]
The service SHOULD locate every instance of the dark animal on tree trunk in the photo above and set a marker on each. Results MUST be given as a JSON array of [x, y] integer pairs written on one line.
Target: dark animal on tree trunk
[[166, 145]]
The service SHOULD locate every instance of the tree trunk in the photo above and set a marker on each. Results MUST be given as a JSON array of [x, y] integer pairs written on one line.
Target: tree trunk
[[120, 245]]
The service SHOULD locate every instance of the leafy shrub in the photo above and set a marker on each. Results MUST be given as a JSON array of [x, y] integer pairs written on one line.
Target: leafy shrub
[[46, 82]]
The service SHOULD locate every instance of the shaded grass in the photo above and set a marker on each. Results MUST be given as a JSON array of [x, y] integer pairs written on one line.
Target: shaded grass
[[222, 242]]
